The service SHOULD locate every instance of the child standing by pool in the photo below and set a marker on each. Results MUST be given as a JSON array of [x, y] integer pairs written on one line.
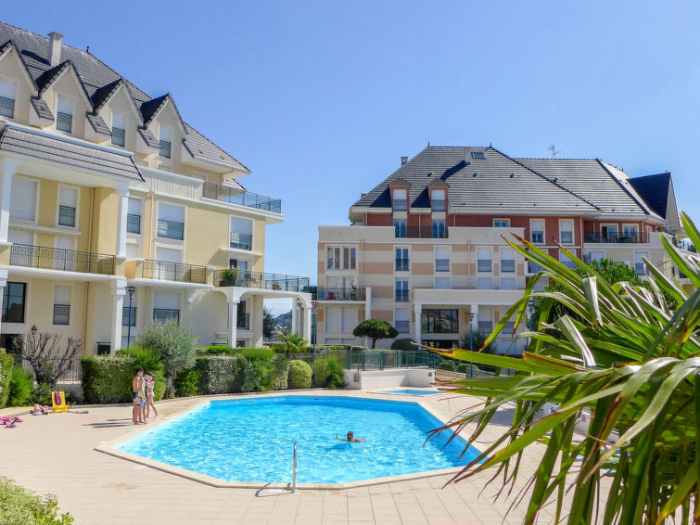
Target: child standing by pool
[[150, 386]]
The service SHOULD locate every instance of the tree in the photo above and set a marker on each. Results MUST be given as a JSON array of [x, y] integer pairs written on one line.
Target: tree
[[628, 358], [375, 329], [268, 323], [175, 346], [405, 343], [293, 343], [49, 362]]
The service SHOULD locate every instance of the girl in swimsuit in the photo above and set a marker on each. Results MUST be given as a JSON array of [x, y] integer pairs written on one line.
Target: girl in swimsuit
[[150, 386]]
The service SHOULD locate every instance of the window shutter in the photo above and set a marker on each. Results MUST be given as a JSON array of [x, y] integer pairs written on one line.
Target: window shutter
[[165, 134], [64, 106], [23, 205], [483, 254], [7, 89], [134, 207], [241, 226], [61, 295], [168, 212], [349, 319], [166, 300], [168, 255], [68, 197], [334, 320], [442, 252], [118, 121]]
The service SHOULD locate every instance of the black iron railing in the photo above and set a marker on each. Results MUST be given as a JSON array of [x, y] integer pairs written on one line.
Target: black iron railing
[[66, 216], [242, 241], [483, 265], [401, 296], [7, 107], [64, 122], [243, 321], [244, 198], [402, 327], [171, 271], [133, 223], [165, 149], [615, 237], [61, 314], [265, 281], [359, 293], [171, 229], [118, 136], [442, 265], [73, 374], [161, 315], [60, 259]]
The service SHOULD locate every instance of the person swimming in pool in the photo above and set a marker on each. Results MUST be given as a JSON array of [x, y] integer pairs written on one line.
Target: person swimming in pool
[[351, 438]]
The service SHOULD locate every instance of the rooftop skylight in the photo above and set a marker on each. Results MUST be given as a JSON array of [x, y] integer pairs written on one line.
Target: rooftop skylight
[[478, 155]]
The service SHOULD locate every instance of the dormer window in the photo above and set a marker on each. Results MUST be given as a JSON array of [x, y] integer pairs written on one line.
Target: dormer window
[[64, 117], [478, 155], [118, 129], [437, 200], [165, 142], [398, 200], [7, 98]]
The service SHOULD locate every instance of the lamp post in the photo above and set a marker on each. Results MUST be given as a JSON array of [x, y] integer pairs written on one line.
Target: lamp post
[[314, 319], [531, 313], [34, 329], [131, 290], [471, 342]]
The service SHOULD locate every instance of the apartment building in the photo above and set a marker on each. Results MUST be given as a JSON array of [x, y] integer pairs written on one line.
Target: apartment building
[[114, 212], [425, 250]]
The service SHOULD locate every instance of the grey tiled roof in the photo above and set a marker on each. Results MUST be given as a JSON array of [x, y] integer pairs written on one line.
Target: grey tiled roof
[[149, 138], [95, 76], [56, 149], [102, 95], [42, 109], [98, 124], [654, 189], [150, 108], [495, 182], [49, 76]]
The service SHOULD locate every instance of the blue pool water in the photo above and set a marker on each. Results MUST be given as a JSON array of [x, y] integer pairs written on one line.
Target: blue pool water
[[251, 440], [413, 392]]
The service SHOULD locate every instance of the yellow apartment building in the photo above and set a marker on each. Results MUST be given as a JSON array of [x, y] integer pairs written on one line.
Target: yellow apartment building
[[115, 213]]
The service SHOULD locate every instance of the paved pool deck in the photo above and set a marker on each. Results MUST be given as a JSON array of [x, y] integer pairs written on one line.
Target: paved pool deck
[[56, 454]]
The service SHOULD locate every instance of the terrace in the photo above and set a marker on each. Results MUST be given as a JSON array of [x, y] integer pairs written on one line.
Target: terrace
[[242, 198], [45, 258], [260, 280], [358, 293]]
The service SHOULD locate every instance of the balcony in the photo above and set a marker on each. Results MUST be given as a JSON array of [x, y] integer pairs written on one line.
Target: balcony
[[421, 232], [61, 314], [171, 229], [133, 223], [129, 316], [7, 107], [263, 281], [242, 241], [341, 294], [59, 259], [242, 198], [243, 321], [176, 272], [66, 216], [162, 315], [615, 237]]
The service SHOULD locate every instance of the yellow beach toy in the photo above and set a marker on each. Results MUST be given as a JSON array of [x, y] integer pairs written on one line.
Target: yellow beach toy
[[59, 401]]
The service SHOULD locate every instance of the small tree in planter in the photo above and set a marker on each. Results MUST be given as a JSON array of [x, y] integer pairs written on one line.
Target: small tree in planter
[[375, 329], [228, 277], [48, 361], [176, 347]]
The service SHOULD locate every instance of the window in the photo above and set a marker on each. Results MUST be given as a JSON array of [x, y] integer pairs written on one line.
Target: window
[[402, 320], [608, 233], [594, 255], [537, 231], [507, 283], [402, 264], [340, 320], [333, 258], [566, 231], [401, 290], [165, 142], [132, 250], [478, 155], [349, 258], [171, 222], [166, 306], [439, 231], [7, 98], [13, 302], [485, 322], [118, 129], [484, 283], [566, 261], [400, 229], [501, 223], [630, 233], [341, 258], [442, 259], [507, 260], [440, 322], [129, 315], [23, 201], [133, 216], [639, 262], [398, 200], [241, 236], [442, 283], [61, 305], [483, 260], [437, 200], [64, 117], [67, 205]]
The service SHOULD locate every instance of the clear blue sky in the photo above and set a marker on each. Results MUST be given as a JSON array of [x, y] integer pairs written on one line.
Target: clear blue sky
[[321, 99]]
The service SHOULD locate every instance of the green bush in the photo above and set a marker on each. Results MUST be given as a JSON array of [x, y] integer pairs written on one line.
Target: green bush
[[404, 343], [320, 372], [219, 374], [216, 350], [280, 373], [21, 385], [19, 506], [328, 372], [42, 394], [248, 378], [160, 386], [175, 346], [448, 364], [336, 373], [257, 353], [107, 379], [299, 374], [144, 358], [7, 363], [187, 383]]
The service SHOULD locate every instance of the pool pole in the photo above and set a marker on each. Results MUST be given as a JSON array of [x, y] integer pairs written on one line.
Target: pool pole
[[294, 470]]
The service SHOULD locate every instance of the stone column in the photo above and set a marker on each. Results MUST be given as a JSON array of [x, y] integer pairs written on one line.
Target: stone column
[[122, 211], [118, 293], [293, 328], [3, 284], [7, 171], [417, 311], [232, 322], [307, 322], [368, 304]]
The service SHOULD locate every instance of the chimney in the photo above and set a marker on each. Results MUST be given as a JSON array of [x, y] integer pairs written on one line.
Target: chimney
[[404, 160], [55, 41]]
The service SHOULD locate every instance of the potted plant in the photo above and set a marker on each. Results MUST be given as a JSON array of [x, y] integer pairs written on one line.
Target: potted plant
[[228, 277]]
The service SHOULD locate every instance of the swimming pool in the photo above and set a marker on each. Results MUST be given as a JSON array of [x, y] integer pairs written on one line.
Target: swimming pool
[[413, 392], [251, 440]]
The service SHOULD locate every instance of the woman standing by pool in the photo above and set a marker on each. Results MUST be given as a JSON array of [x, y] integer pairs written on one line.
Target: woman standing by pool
[[150, 386]]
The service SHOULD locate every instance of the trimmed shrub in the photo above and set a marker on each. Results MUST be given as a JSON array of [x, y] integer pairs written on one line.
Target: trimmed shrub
[[328, 372], [404, 343], [107, 379], [19, 506], [280, 373], [21, 385], [187, 383], [216, 350], [249, 377], [219, 374], [448, 364], [320, 371], [7, 363], [299, 374]]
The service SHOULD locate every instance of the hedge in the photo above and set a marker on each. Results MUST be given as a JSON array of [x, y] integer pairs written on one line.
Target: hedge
[[7, 363], [218, 374], [107, 379], [299, 374], [19, 506]]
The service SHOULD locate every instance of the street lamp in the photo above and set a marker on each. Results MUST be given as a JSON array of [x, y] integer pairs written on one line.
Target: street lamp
[[531, 313], [34, 329], [471, 342], [314, 319], [131, 290]]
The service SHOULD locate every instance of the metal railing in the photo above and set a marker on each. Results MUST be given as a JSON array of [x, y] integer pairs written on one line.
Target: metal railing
[[442, 265], [133, 223], [401, 296], [165, 149], [244, 198], [402, 327], [388, 359], [128, 314], [60, 259], [66, 216], [243, 321], [64, 122], [118, 137], [265, 281], [616, 237], [483, 265], [294, 468], [171, 271], [341, 294], [421, 232], [72, 375], [507, 266], [61, 314], [171, 229], [242, 241], [161, 315], [7, 107]]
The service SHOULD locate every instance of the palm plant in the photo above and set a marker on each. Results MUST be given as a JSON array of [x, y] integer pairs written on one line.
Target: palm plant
[[624, 355], [293, 343]]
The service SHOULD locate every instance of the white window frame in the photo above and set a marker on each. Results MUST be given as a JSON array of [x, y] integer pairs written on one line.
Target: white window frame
[[445, 277], [433, 200], [501, 251], [630, 225], [449, 260], [408, 288], [77, 205], [37, 196], [73, 120], [408, 257], [13, 83], [561, 230], [339, 262], [505, 220], [123, 116], [140, 214], [544, 231], [490, 259], [610, 225], [230, 231], [394, 200]]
